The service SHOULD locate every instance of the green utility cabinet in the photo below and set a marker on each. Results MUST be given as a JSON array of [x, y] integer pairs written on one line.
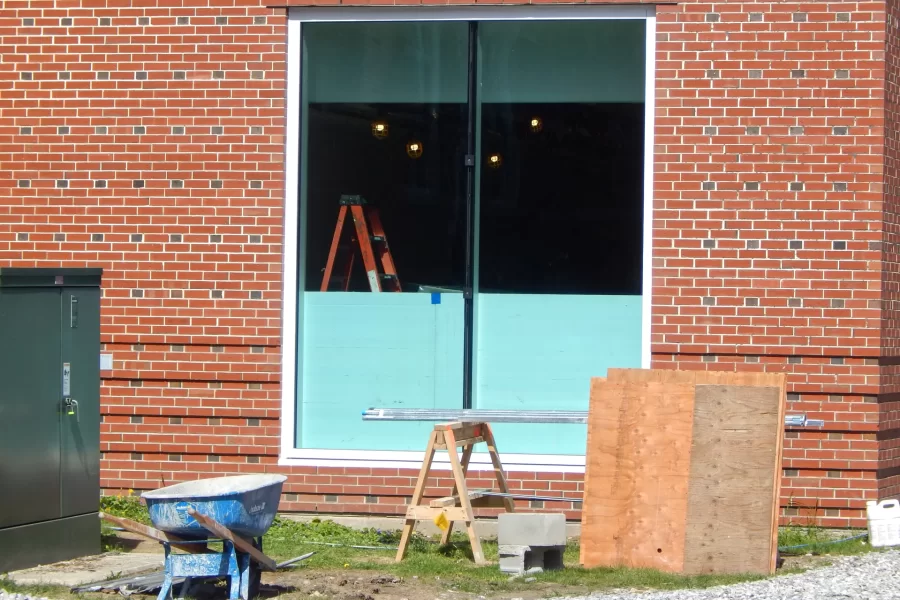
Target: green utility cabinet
[[49, 415]]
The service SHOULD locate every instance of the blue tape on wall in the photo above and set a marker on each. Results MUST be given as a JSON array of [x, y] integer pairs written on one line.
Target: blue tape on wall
[[435, 297]]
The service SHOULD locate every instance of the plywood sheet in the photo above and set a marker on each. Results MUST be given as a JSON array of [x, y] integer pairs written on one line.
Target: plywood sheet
[[585, 517], [724, 378], [637, 471], [697, 377], [731, 489]]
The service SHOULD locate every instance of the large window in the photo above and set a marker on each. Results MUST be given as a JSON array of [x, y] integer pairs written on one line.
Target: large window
[[497, 168]]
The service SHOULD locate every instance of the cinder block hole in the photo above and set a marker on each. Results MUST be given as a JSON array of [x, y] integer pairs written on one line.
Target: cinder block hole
[[553, 560], [543, 558]]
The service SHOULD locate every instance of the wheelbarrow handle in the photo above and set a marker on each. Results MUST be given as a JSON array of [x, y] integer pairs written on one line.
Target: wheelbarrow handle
[[240, 543], [154, 534]]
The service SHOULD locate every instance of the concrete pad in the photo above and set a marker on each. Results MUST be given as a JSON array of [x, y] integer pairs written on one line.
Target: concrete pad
[[89, 569]]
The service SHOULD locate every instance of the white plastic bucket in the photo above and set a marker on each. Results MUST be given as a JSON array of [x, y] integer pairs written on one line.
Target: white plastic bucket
[[884, 522]]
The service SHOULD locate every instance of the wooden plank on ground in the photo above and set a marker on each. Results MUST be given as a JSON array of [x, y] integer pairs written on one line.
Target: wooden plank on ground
[[638, 467], [731, 492]]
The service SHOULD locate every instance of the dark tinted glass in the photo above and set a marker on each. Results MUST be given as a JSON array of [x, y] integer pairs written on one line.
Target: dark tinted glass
[[413, 176], [561, 198]]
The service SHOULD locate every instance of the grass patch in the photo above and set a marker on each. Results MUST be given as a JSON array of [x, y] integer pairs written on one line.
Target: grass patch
[[815, 540], [451, 566], [129, 507], [317, 530]]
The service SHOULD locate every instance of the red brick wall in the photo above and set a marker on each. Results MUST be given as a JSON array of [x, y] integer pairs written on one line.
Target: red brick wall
[[889, 401], [769, 161]]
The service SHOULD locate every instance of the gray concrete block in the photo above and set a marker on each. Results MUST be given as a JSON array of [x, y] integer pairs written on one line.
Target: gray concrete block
[[531, 529], [512, 550], [512, 559], [520, 560]]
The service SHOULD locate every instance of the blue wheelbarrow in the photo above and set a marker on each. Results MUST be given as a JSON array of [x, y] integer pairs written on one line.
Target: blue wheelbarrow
[[234, 510]]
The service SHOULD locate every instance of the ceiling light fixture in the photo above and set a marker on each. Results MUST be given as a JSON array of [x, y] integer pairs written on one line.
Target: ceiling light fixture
[[380, 129], [414, 148]]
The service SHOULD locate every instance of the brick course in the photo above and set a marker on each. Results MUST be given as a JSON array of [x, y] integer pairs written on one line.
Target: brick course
[[149, 140]]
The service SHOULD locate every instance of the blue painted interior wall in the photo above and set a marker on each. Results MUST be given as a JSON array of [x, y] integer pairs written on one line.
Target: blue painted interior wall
[[366, 350], [388, 350], [539, 352]]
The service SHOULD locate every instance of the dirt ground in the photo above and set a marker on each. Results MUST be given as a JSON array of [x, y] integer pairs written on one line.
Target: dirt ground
[[333, 584], [328, 584], [345, 584], [368, 585]]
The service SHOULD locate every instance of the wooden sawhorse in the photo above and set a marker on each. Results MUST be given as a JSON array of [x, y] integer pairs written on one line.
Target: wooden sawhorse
[[459, 505]]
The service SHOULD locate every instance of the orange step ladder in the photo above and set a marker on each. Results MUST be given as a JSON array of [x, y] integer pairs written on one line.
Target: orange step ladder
[[373, 247]]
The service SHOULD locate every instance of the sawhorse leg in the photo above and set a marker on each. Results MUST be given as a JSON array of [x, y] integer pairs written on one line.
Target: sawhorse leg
[[459, 506], [460, 479], [499, 475], [466, 457], [410, 524]]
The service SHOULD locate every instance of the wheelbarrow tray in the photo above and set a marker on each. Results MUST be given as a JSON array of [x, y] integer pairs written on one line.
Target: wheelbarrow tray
[[245, 504]]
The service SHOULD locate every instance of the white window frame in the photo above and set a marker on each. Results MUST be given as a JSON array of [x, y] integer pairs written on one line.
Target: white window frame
[[545, 463]]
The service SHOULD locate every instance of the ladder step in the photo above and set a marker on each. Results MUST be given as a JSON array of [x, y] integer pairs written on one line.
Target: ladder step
[[352, 200]]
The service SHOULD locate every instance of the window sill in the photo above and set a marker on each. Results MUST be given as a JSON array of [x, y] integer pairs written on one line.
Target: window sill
[[543, 463]]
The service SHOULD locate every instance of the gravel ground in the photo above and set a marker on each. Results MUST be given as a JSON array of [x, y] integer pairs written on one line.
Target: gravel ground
[[874, 576]]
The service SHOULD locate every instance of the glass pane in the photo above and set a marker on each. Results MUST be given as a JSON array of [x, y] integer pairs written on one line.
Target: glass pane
[[562, 132], [560, 205], [384, 119]]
